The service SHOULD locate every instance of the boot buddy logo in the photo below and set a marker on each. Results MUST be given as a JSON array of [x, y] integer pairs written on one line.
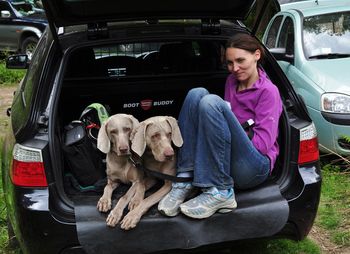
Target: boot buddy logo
[[147, 104]]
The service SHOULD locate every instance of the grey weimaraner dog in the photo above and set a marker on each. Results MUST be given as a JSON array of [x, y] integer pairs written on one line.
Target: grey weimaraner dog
[[153, 140], [113, 139]]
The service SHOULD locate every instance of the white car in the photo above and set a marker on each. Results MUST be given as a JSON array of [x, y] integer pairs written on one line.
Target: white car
[[311, 40]]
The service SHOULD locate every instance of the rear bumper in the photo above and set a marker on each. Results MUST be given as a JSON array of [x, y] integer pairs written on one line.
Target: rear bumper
[[303, 207], [37, 231]]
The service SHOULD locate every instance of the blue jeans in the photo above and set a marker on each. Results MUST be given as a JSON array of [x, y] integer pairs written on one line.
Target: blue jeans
[[216, 148]]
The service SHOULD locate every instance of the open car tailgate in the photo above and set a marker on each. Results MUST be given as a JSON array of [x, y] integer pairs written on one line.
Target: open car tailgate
[[261, 212]]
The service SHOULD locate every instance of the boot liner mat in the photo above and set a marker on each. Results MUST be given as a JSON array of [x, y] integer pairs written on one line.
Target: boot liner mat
[[261, 212]]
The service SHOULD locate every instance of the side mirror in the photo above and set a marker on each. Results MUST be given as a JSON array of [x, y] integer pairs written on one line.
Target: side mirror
[[17, 62], [281, 55], [5, 14]]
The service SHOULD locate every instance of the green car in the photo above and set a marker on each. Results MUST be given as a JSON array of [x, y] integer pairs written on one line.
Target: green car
[[311, 41]]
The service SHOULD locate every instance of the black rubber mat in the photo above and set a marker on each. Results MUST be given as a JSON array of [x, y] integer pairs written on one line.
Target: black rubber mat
[[261, 212]]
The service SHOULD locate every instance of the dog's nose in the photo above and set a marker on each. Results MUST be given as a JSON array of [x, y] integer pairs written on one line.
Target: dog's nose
[[169, 153], [123, 150]]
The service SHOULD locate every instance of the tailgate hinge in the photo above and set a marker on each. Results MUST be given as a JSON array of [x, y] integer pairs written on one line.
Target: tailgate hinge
[[97, 31], [211, 26]]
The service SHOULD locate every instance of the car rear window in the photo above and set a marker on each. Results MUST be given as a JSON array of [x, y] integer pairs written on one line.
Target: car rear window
[[147, 58]]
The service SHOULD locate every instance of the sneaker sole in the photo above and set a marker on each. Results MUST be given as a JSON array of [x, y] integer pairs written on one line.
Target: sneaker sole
[[169, 214]]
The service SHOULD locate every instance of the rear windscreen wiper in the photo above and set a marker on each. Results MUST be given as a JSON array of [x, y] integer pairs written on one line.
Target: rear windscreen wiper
[[329, 56]]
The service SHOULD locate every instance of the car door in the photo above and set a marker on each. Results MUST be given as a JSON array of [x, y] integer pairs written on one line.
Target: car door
[[284, 36], [8, 34], [280, 36]]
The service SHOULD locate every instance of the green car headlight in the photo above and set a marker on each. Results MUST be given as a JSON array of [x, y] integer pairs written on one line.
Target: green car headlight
[[335, 103]]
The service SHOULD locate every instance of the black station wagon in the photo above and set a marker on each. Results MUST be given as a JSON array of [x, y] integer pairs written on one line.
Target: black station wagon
[[141, 58]]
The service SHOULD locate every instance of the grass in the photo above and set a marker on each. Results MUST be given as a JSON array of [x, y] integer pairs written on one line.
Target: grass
[[4, 248], [9, 77], [334, 208], [291, 247], [276, 247]]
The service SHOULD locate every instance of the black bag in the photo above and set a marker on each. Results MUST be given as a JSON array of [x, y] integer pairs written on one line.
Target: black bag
[[84, 160]]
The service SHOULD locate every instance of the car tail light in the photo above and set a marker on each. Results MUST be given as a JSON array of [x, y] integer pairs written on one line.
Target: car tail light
[[28, 167], [308, 149]]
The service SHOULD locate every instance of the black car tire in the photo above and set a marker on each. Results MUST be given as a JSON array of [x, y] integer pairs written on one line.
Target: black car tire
[[28, 45]]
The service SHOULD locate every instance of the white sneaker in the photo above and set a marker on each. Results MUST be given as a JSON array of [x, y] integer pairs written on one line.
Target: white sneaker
[[208, 203], [170, 204]]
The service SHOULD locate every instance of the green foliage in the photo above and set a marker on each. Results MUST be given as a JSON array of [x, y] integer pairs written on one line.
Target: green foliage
[[3, 222], [335, 163], [9, 77], [329, 217], [346, 138], [327, 168], [334, 208], [4, 240], [277, 246], [291, 247], [342, 238]]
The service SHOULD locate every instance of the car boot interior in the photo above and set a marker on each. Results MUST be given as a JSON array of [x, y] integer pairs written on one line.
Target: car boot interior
[[122, 77], [153, 72]]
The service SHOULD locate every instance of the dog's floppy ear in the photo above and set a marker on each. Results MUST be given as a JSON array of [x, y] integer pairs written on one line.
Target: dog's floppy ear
[[138, 139], [135, 122], [175, 133], [103, 142]]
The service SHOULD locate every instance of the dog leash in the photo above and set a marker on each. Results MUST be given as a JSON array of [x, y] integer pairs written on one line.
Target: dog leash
[[137, 163]]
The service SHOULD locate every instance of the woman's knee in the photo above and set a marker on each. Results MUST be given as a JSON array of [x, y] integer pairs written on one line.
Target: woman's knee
[[211, 102], [197, 93], [190, 105]]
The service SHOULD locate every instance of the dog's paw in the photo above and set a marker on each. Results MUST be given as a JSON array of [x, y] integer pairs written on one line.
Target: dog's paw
[[134, 203], [130, 220], [104, 204], [113, 218]]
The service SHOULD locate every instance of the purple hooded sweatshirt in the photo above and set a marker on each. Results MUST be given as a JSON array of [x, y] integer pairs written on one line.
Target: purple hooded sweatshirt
[[263, 104]]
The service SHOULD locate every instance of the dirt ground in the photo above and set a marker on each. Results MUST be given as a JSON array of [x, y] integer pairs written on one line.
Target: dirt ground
[[317, 234], [321, 237], [6, 96]]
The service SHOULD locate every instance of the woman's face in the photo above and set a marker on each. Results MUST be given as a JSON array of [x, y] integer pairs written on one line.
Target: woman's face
[[242, 63]]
